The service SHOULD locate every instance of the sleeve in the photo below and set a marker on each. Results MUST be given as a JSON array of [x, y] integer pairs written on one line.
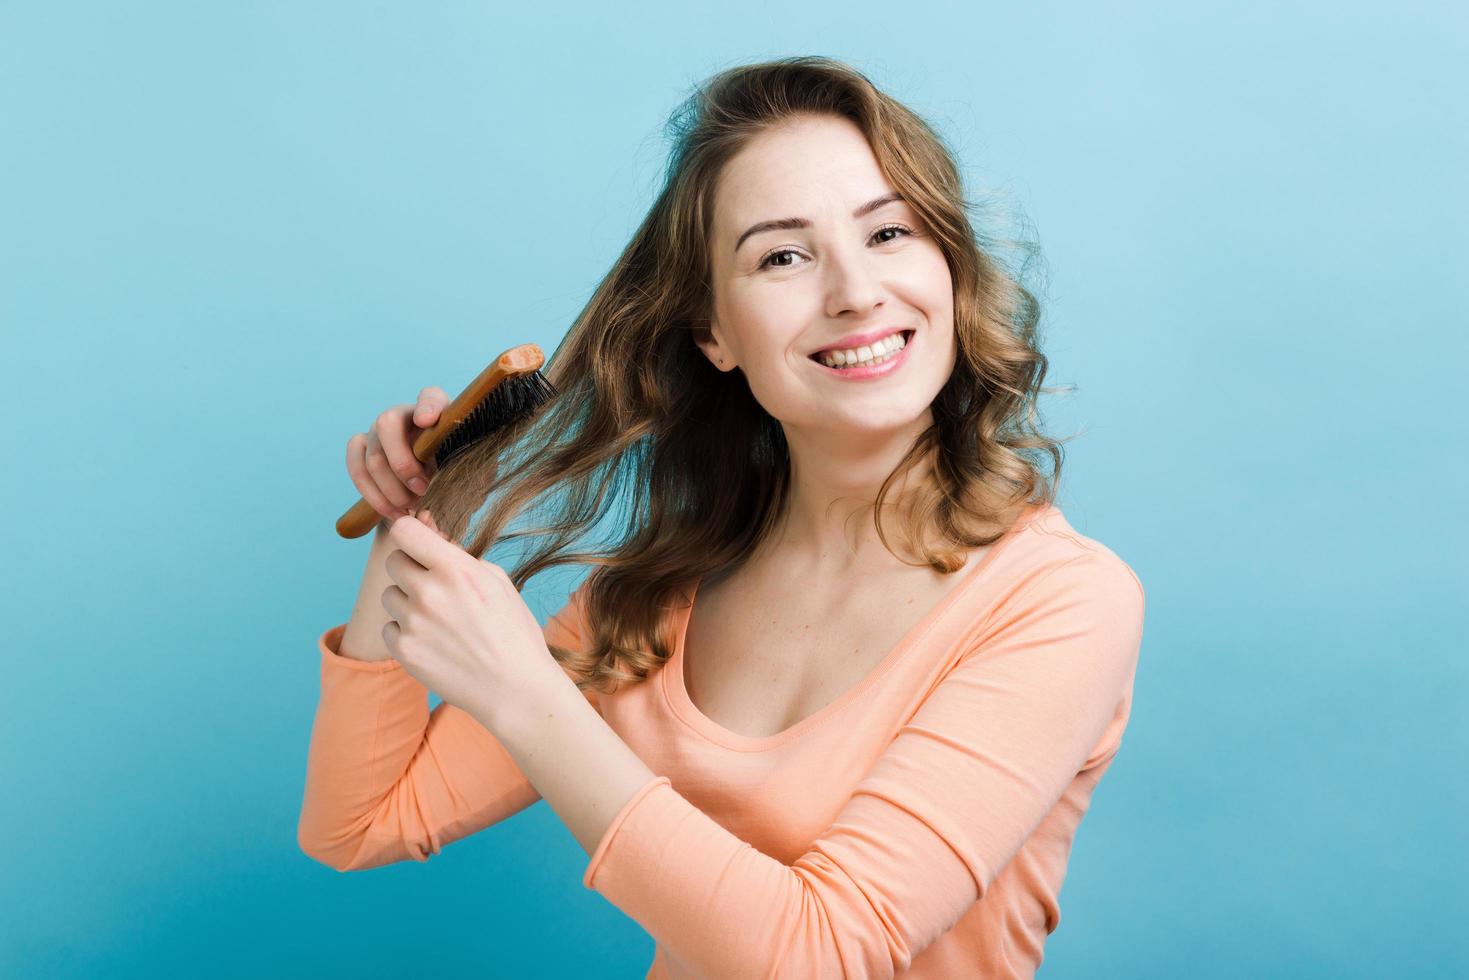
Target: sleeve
[[1029, 704], [386, 779]]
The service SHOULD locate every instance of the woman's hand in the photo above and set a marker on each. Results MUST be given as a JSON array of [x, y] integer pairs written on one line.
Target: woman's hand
[[381, 461], [459, 627]]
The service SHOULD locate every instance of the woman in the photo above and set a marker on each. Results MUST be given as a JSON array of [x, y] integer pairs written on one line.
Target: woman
[[824, 734]]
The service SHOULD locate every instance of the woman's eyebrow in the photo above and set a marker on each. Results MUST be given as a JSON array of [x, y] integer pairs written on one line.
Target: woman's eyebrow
[[786, 224]]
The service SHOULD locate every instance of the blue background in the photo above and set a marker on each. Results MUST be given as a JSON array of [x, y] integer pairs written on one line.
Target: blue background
[[231, 234]]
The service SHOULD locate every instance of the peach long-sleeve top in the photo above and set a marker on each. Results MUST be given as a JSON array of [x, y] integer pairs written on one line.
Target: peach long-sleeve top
[[917, 826]]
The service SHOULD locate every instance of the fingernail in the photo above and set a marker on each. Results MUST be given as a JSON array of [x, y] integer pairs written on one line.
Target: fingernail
[[417, 485]]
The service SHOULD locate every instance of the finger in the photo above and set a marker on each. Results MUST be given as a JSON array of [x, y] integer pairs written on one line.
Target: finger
[[430, 409], [395, 603], [422, 544], [362, 479], [391, 632], [404, 571], [393, 432], [399, 497], [431, 403]]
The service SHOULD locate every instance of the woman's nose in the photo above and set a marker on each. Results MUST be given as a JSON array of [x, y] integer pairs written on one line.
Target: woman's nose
[[852, 283]]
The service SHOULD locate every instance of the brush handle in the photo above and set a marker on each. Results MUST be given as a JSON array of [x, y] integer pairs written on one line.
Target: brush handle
[[362, 517]]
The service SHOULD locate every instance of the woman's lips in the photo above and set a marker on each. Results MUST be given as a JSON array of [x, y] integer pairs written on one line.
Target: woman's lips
[[873, 371], [868, 342]]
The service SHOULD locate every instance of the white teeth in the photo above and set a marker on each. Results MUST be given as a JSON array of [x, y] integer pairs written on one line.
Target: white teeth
[[867, 355]]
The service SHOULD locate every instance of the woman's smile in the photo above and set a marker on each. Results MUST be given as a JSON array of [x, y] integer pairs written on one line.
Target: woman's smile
[[870, 372]]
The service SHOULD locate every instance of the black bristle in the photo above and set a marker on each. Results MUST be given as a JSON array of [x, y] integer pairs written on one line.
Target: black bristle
[[512, 400]]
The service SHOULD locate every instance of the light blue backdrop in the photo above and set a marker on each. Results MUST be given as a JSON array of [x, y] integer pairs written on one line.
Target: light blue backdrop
[[230, 234]]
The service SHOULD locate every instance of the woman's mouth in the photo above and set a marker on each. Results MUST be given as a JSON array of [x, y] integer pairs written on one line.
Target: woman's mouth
[[880, 360]]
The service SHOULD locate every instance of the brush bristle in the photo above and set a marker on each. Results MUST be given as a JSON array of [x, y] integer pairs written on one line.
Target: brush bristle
[[512, 400]]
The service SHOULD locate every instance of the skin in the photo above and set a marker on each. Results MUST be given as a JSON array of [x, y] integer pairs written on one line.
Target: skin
[[815, 286]]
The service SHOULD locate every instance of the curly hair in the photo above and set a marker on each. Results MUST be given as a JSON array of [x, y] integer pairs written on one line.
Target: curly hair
[[638, 403]]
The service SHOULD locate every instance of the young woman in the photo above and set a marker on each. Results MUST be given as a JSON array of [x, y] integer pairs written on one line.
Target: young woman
[[813, 731]]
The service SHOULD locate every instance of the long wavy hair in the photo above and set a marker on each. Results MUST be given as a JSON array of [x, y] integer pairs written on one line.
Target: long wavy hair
[[639, 407]]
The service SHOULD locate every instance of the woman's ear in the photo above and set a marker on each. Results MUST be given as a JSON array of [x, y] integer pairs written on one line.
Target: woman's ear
[[706, 337]]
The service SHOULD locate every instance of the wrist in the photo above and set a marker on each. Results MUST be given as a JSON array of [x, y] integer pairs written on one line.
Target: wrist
[[516, 718]]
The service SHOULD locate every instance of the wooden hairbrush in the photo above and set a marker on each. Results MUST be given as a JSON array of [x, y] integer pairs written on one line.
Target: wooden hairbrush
[[510, 389]]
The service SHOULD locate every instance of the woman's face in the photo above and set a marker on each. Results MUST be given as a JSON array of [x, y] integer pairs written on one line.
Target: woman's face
[[781, 295]]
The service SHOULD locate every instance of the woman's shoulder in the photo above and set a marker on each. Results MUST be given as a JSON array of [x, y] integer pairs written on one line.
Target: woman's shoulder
[[1046, 541]]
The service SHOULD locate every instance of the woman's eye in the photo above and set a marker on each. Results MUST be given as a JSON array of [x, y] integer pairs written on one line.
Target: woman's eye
[[891, 228], [768, 261]]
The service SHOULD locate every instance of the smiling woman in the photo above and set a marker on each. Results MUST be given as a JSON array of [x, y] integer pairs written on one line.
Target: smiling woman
[[845, 758], [868, 287]]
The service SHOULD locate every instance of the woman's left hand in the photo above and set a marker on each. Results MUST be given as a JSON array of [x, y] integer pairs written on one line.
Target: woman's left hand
[[459, 626]]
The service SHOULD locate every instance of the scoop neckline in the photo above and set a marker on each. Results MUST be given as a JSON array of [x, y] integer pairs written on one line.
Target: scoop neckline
[[676, 691]]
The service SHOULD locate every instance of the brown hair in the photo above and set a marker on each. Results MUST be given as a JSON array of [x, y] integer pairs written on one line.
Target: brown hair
[[639, 405]]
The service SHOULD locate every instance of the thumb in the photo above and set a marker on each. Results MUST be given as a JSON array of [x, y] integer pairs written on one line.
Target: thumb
[[431, 402], [428, 519]]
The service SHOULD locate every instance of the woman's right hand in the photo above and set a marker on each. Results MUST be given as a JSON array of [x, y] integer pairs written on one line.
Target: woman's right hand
[[381, 461]]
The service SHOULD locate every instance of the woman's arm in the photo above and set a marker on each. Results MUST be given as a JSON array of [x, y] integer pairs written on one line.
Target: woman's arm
[[386, 779], [1041, 696], [363, 639]]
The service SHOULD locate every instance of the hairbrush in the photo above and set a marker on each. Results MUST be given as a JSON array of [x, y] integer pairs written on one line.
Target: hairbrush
[[512, 388]]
